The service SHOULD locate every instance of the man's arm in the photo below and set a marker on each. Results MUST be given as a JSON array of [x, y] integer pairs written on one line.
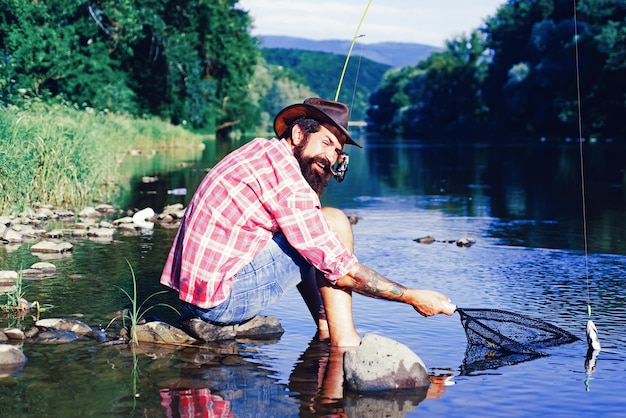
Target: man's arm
[[368, 282]]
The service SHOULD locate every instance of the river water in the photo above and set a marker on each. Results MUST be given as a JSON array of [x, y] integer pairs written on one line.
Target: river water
[[522, 203]]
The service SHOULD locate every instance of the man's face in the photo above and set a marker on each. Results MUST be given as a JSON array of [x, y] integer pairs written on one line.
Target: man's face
[[316, 154]]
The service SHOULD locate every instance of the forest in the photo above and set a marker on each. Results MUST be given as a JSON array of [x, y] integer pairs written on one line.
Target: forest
[[529, 70]]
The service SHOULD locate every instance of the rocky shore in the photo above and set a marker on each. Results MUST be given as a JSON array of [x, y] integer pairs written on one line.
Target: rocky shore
[[379, 364]]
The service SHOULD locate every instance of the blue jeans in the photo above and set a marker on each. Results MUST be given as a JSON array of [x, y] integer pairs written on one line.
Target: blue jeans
[[276, 270]]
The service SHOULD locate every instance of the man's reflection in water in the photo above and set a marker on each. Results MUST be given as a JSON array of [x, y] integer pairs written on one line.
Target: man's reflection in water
[[198, 402], [317, 381]]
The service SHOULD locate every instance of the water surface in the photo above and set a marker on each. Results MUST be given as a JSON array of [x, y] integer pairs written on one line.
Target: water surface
[[523, 206]]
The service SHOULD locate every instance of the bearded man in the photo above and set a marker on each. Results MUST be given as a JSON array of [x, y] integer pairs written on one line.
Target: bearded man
[[255, 229]]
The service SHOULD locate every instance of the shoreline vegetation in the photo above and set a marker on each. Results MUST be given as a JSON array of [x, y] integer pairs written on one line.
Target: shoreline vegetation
[[67, 157]]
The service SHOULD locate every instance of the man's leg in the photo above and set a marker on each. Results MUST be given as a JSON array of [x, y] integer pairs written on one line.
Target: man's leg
[[337, 300]]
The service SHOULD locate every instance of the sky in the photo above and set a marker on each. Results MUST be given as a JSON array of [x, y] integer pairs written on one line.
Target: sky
[[429, 22]]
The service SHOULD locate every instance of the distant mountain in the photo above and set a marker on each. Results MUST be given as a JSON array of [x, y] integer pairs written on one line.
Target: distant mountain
[[395, 54]]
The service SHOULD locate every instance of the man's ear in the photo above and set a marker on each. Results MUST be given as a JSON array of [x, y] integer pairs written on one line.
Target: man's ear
[[297, 134]]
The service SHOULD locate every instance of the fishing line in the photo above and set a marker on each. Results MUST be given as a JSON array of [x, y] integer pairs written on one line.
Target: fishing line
[[354, 38], [592, 332], [582, 166], [356, 78]]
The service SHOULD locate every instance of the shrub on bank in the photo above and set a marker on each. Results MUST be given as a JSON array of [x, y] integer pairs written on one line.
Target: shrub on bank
[[66, 157]]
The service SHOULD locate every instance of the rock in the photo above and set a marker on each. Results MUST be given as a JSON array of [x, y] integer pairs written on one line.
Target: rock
[[105, 208], [260, 327], [143, 218], [124, 220], [429, 239], [31, 273], [73, 325], [56, 336], [55, 233], [160, 332], [11, 360], [3, 337], [205, 331], [104, 233], [51, 247], [14, 334], [8, 277], [31, 333], [465, 242], [43, 213], [44, 267], [98, 336], [11, 235], [380, 363], [90, 212]]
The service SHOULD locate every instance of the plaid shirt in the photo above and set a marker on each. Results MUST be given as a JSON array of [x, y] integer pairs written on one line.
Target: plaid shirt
[[253, 193]]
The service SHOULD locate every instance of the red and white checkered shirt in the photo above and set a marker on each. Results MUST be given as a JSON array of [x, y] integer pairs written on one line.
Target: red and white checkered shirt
[[253, 193]]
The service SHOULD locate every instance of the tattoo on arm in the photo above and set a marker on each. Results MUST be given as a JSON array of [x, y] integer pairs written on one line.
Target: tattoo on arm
[[368, 282]]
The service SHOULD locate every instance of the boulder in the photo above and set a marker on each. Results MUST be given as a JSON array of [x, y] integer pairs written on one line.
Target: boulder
[[205, 331], [12, 236], [51, 247], [380, 364], [14, 333], [160, 332], [90, 212], [260, 327], [8, 277], [11, 360], [46, 268], [73, 325], [56, 336]]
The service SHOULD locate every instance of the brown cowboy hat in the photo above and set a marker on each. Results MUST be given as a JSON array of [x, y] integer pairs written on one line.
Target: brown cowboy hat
[[323, 111]]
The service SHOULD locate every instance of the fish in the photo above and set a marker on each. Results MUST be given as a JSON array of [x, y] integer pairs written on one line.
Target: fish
[[592, 336]]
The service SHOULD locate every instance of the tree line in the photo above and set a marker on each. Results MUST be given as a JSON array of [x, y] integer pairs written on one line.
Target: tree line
[[528, 71], [189, 62]]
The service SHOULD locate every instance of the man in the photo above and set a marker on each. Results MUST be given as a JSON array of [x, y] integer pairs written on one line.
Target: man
[[255, 229]]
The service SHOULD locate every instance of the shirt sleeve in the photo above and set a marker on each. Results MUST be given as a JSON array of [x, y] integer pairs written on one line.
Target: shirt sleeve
[[300, 218]]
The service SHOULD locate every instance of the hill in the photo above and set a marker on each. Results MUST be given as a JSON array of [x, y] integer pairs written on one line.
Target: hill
[[321, 72], [394, 54]]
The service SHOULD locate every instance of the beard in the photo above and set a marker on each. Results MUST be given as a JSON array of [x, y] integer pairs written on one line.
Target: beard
[[317, 181]]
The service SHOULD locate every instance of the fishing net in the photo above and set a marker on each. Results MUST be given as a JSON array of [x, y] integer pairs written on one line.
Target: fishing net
[[496, 338]]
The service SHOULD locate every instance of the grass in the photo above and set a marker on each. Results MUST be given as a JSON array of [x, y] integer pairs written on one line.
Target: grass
[[137, 311], [14, 297], [69, 158]]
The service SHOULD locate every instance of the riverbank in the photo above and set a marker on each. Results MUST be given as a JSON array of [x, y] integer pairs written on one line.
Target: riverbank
[[69, 158]]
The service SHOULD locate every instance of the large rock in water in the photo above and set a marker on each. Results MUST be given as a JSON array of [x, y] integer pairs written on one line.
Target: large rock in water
[[381, 363], [11, 360]]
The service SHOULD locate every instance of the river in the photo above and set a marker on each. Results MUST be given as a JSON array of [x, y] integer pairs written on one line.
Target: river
[[541, 250]]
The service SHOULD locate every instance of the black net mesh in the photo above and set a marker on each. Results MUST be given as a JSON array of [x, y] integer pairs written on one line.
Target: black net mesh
[[496, 338]]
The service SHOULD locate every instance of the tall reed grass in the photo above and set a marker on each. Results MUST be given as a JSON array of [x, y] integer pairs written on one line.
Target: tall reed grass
[[68, 158]]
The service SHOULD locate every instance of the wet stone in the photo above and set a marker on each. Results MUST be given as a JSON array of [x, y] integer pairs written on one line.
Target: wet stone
[[11, 359], [56, 336], [381, 363], [160, 332], [64, 324], [14, 334], [260, 327], [51, 247], [46, 268]]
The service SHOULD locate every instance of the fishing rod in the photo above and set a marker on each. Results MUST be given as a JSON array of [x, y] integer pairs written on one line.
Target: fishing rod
[[354, 38]]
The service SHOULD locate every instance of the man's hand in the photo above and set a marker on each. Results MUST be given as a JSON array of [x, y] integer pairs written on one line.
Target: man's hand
[[429, 302]]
